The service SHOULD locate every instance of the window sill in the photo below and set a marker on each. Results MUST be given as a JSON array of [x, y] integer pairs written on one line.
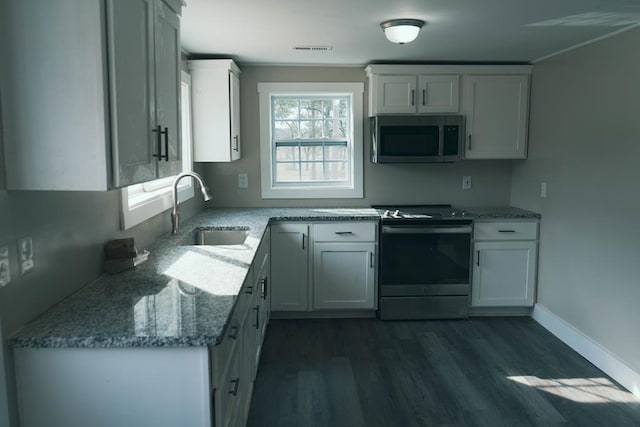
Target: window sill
[[151, 204]]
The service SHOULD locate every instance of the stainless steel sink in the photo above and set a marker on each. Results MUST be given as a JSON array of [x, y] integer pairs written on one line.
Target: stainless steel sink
[[218, 237]]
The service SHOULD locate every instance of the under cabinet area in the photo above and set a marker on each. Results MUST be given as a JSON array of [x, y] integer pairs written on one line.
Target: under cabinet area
[[321, 267], [105, 114], [216, 110], [504, 264]]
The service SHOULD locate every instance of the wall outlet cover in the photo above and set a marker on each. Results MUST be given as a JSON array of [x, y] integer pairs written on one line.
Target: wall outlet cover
[[5, 273], [25, 255], [466, 183], [243, 180], [543, 190]]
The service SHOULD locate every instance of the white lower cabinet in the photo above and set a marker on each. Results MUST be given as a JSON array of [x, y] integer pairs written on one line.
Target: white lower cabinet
[[323, 266], [504, 264], [343, 275], [289, 267]]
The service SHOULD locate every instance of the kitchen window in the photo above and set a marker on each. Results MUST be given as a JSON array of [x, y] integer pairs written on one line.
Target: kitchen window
[[311, 140], [142, 201]]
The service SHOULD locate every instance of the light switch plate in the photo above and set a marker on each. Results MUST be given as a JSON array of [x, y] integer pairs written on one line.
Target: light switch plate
[[543, 190], [5, 273], [25, 255]]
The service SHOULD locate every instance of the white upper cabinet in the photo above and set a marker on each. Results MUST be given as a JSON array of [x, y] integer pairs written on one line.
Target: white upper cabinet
[[410, 93], [94, 112], [497, 114], [216, 110]]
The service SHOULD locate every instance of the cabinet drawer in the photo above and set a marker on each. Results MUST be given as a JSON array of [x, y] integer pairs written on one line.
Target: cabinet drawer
[[345, 232], [505, 231]]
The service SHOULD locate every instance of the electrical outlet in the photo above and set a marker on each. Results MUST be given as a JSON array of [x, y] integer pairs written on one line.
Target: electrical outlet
[[243, 180], [5, 273], [25, 255], [466, 183], [543, 190]]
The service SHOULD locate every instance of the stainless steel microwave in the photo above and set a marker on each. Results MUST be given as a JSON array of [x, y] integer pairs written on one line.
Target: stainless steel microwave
[[417, 139]]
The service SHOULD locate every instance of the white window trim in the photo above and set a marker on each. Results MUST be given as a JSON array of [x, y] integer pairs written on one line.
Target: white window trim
[[269, 191], [143, 201]]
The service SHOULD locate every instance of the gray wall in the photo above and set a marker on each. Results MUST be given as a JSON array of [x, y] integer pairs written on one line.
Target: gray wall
[[584, 143], [417, 183]]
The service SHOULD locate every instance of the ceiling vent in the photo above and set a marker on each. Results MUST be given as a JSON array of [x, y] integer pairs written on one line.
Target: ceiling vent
[[313, 48]]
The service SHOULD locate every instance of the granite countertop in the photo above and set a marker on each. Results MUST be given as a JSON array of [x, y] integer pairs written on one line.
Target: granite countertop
[[184, 294]]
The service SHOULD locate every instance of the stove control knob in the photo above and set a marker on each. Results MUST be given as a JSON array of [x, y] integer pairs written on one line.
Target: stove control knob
[[386, 214], [396, 214]]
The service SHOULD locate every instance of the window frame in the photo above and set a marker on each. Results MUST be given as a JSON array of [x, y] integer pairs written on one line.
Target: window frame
[[139, 202], [305, 190]]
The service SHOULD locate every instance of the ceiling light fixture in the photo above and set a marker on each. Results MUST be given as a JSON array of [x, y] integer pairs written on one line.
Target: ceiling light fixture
[[401, 31]]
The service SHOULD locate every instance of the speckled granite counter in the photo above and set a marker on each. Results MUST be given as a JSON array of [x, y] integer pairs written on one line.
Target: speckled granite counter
[[184, 294], [500, 213]]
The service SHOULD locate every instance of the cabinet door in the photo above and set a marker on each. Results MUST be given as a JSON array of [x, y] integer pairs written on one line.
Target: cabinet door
[[289, 267], [497, 111], [234, 110], [131, 69], [438, 94], [504, 274], [167, 89], [396, 94], [343, 276]]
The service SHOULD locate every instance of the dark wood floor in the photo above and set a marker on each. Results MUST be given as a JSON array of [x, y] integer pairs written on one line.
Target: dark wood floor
[[475, 372]]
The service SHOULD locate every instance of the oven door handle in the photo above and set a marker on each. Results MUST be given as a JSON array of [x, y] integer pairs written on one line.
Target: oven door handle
[[463, 229]]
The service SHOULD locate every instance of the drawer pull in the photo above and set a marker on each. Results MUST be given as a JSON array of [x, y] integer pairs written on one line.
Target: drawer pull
[[506, 231], [264, 287], [344, 233], [478, 258], [371, 259], [233, 332], [257, 324], [234, 390]]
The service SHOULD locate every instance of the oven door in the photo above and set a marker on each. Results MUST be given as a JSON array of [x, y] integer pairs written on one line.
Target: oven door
[[424, 272]]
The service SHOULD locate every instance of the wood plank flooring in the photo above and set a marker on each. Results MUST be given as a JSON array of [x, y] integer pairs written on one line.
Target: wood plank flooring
[[505, 371]]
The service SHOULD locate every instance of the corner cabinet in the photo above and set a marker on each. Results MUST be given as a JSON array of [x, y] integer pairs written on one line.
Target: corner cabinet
[[320, 267], [497, 115], [289, 267], [505, 264], [106, 112], [215, 95]]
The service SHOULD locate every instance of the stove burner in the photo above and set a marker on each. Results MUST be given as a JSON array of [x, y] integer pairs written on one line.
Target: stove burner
[[420, 212]]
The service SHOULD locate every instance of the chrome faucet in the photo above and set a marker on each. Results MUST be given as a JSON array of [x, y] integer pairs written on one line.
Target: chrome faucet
[[206, 194]]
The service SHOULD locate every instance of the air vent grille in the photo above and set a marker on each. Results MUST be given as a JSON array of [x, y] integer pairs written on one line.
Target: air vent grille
[[313, 48]]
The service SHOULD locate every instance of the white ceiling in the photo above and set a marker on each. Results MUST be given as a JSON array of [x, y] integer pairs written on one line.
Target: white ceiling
[[264, 31]]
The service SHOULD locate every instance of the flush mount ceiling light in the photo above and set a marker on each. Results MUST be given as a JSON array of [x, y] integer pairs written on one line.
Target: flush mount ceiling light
[[401, 31]]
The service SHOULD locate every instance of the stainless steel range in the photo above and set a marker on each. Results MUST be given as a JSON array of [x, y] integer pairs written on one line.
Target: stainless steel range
[[424, 271]]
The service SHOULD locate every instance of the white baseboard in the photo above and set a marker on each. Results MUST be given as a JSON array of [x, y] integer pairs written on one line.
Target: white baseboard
[[602, 358]]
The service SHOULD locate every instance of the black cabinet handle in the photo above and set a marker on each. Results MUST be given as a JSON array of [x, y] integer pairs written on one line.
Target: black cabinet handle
[[234, 390], [166, 144], [234, 335], [478, 258], [413, 97], [344, 233], [158, 132], [424, 97], [264, 287], [469, 145], [257, 324], [236, 146], [506, 231]]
